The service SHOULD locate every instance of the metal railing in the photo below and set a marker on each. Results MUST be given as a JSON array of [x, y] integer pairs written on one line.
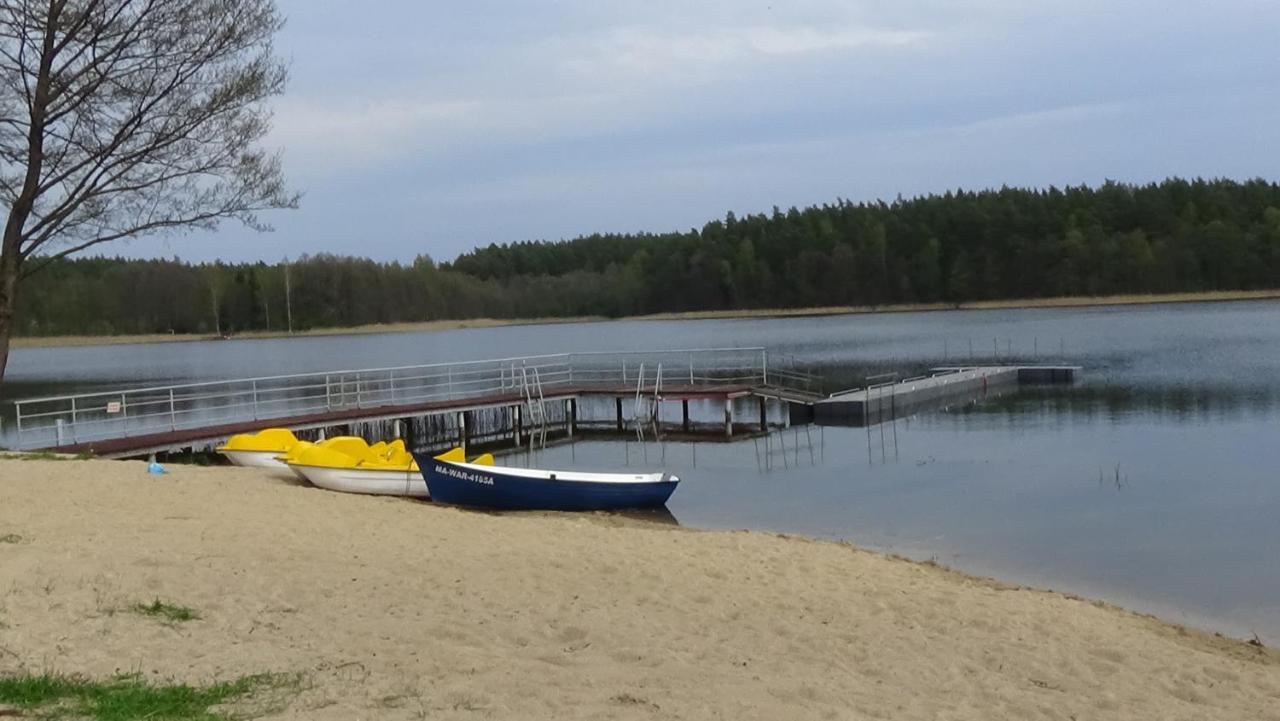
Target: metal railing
[[88, 417], [888, 380]]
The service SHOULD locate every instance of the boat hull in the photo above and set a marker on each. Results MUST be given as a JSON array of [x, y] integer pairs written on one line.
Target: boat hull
[[358, 480], [256, 459], [490, 487]]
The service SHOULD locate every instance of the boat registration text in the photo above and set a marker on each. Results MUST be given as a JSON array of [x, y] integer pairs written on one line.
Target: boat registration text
[[465, 475]]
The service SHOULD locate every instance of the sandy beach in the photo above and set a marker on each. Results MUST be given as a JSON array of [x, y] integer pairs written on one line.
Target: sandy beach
[[396, 609]]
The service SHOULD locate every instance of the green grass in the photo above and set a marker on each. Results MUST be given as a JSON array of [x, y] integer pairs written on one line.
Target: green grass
[[46, 456], [10, 538], [130, 697], [166, 611]]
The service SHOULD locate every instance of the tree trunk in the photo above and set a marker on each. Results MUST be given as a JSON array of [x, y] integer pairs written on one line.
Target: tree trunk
[[10, 267], [11, 245], [8, 297]]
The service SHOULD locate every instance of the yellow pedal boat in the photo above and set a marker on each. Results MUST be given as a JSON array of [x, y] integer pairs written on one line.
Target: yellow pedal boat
[[350, 465], [260, 450]]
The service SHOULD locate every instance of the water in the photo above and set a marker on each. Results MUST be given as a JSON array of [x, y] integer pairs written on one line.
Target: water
[[1153, 484], [1177, 518], [1190, 346]]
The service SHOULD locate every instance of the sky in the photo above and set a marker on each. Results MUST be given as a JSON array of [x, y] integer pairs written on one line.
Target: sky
[[431, 128]]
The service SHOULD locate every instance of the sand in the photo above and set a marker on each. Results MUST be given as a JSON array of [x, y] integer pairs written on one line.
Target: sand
[[398, 609]]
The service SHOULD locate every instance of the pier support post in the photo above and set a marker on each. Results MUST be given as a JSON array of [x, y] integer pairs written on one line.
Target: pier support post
[[462, 430], [618, 402], [728, 417], [684, 415], [517, 421], [570, 415], [764, 414]]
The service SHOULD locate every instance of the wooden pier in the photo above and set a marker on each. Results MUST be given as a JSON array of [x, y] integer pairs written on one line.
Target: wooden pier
[[447, 423], [492, 401], [719, 392]]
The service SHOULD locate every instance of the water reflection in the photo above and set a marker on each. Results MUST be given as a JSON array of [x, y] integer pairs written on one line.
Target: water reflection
[[1092, 402], [794, 448]]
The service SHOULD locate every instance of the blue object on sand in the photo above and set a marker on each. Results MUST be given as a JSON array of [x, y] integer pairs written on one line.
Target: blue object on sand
[[156, 469]]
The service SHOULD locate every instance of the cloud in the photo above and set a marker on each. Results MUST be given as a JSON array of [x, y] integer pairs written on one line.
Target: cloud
[[322, 133], [647, 51], [594, 80]]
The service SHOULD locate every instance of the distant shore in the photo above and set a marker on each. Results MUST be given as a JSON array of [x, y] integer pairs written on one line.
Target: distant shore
[[441, 325], [428, 326], [396, 609]]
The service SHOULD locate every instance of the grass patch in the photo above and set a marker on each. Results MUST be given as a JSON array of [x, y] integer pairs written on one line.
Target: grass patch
[[10, 538], [47, 456], [169, 612], [130, 697]]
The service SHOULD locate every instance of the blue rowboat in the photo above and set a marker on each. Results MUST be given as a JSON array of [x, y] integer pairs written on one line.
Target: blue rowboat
[[483, 485]]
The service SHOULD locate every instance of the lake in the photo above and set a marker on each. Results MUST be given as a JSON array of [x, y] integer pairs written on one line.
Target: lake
[[1153, 484]]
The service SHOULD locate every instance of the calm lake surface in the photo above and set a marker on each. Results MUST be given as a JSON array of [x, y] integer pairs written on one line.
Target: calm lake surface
[[1155, 483]]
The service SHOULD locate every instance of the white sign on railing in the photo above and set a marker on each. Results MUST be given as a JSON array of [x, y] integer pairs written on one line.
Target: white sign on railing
[[113, 407]]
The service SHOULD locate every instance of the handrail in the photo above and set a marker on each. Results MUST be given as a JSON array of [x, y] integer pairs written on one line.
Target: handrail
[[886, 384], [228, 381], [384, 369]]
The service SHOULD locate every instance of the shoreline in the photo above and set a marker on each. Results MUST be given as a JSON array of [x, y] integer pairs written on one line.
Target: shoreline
[[443, 325], [393, 608]]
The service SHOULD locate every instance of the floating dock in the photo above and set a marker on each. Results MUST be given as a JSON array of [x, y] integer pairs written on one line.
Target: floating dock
[[875, 403]]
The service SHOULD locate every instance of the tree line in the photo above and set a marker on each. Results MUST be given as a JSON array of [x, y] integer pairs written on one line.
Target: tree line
[[1174, 236]]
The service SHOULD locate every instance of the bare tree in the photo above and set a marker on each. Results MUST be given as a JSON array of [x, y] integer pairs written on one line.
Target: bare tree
[[125, 118]]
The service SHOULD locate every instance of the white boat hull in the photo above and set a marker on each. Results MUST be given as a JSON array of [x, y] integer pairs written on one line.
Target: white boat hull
[[256, 459], [363, 480]]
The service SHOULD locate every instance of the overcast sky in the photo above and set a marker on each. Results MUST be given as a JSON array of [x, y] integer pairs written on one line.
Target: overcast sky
[[430, 127]]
